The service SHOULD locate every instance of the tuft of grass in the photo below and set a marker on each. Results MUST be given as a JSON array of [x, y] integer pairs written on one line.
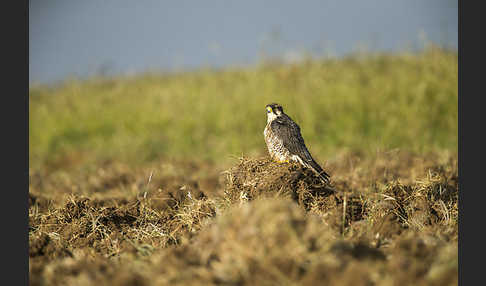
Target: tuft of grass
[[359, 103]]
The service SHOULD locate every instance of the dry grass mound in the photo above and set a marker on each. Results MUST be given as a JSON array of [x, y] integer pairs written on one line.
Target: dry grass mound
[[431, 201], [92, 230], [269, 242], [385, 219], [253, 178]]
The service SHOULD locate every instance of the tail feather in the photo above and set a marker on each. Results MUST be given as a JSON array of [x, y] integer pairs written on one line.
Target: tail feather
[[320, 172], [311, 164]]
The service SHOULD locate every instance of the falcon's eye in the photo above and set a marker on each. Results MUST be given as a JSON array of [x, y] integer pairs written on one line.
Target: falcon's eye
[[269, 109]]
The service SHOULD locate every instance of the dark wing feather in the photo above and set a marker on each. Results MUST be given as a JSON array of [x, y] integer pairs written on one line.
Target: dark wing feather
[[289, 133]]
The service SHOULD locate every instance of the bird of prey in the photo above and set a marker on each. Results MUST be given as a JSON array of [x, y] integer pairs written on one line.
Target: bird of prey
[[285, 143]]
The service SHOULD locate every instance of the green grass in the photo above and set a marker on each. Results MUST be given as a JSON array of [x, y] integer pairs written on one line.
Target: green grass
[[359, 103]]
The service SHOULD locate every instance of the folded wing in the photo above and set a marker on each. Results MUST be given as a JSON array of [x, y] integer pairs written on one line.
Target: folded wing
[[289, 132]]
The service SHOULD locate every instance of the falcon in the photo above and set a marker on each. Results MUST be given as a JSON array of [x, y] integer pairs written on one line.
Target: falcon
[[286, 144]]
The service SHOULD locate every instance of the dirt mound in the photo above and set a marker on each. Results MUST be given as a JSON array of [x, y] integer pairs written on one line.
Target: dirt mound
[[390, 207], [253, 178], [272, 241], [382, 221], [275, 240], [110, 229]]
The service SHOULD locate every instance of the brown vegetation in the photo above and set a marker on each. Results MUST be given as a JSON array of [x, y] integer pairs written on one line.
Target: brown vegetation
[[386, 219]]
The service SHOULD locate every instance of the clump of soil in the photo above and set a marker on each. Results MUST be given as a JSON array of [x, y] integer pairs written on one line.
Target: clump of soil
[[262, 178], [253, 178], [109, 229]]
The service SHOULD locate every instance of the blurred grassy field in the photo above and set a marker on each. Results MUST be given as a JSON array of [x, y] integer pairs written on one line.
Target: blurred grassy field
[[359, 103]]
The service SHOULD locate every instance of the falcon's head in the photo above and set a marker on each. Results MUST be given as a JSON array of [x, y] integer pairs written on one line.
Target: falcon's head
[[274, 110]]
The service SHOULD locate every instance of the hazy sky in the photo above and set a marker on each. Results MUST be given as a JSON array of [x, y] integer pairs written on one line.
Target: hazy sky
[[79, 38]]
